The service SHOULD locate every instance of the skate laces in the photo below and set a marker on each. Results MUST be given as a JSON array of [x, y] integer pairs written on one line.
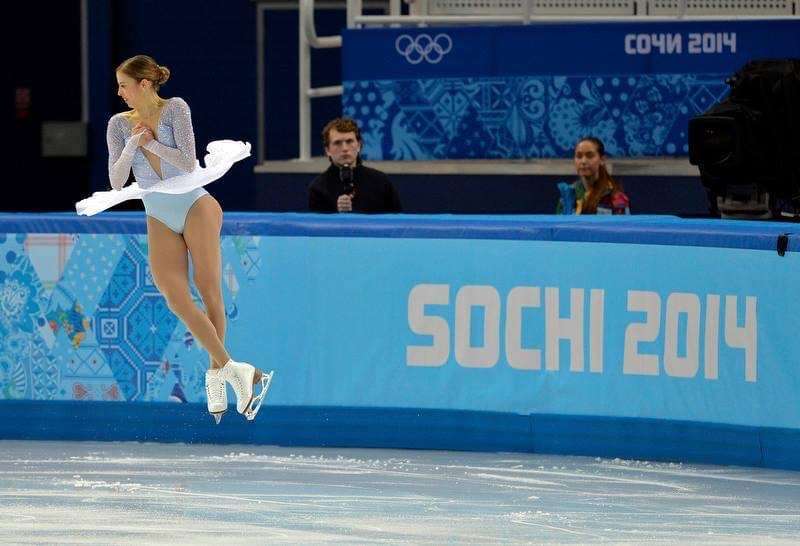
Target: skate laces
[[219, 391], [234, 378], [215, 387]]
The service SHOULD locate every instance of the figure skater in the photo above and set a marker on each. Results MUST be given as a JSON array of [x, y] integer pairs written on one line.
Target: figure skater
[[155, 139]]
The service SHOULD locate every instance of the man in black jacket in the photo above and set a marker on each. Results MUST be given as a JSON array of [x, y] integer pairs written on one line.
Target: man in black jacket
[[347, 185]]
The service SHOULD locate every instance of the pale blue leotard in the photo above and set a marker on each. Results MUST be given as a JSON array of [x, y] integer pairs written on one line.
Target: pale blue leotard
[[173, 144]]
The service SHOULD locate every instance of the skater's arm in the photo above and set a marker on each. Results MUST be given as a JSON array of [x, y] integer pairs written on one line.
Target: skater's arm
[[120, 155], [183, 157]]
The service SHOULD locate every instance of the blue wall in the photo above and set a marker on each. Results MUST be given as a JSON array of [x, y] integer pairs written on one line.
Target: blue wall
[[577, 335]]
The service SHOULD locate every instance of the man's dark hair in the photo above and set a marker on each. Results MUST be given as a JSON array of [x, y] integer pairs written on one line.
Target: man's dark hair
[[343, 125]]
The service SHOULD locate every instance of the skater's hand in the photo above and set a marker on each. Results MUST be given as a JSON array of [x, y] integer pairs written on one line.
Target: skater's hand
[[344, 203], [146, 135]]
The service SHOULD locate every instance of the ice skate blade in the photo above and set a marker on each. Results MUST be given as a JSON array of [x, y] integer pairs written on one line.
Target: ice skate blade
[[255, 404], [218, 417]]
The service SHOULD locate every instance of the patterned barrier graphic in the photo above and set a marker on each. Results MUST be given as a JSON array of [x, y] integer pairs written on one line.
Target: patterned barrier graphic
[[80, 319]]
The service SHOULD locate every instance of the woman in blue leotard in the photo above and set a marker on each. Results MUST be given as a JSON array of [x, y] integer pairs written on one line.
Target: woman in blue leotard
[[155, 140]]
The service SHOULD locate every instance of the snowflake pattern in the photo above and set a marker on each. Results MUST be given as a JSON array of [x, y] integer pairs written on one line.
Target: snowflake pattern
[[528, 117], [20, 294]]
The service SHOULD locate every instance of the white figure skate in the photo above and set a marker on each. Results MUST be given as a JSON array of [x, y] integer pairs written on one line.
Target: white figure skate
[[216, 394], [241, 375]]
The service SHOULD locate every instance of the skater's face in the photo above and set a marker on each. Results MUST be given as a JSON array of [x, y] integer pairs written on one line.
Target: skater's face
[[343, 148], [588, 160], [131, 91]]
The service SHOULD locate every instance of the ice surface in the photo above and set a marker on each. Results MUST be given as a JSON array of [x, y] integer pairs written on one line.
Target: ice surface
[[129, 493]]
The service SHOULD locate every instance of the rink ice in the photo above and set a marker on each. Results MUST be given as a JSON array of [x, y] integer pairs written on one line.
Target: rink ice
[[130, 493]]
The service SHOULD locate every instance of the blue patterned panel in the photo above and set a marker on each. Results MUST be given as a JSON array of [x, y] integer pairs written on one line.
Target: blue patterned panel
[[181, 377], [20, 295], [149, 325], [528, 117], [27, 367], [132, 322], [15, 376], [44, 370], [102, 331], [90, 266], [123, 281], [530, 91], [126, 372]]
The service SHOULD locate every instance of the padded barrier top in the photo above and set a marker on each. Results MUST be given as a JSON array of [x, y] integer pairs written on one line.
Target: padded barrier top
[[649, 230]]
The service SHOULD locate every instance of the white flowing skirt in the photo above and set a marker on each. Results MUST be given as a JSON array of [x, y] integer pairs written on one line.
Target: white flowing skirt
[[221, 156]]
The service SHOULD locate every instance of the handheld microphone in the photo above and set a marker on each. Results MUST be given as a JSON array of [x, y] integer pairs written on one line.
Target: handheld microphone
[[346, 177]]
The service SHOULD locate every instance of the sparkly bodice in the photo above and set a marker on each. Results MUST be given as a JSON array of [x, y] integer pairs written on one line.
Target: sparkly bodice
[[142, 168], [173, 144]]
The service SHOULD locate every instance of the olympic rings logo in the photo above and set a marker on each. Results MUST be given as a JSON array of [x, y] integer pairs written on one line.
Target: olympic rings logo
[[423, 48]]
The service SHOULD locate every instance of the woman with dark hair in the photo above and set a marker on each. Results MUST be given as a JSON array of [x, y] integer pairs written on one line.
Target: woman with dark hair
[[595, 192], [155, 140]]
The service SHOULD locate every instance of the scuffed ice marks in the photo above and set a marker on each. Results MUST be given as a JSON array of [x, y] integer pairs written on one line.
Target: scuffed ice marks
[[79, 482], [92, 493]]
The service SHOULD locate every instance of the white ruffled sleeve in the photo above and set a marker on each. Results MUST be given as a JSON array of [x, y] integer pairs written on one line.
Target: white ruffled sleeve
[[120, 155], [183, 157]]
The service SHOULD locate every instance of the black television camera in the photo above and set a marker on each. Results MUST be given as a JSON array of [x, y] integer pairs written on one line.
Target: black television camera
[[747, 147]]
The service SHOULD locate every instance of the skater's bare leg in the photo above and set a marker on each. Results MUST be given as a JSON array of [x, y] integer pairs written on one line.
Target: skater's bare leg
[[169, 264], [202, 236]]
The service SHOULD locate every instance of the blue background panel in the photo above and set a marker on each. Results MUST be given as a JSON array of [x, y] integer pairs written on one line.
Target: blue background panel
[[534, 90]]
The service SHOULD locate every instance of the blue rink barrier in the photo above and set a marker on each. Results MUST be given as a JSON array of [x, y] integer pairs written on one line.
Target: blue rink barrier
[[644, 337]]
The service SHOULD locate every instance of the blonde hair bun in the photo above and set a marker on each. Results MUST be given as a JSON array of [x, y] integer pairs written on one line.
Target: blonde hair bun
[[163, 72]]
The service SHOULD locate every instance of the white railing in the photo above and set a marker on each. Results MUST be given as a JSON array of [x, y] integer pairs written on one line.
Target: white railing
[[455, 12], [308, 40], [458, 12]]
